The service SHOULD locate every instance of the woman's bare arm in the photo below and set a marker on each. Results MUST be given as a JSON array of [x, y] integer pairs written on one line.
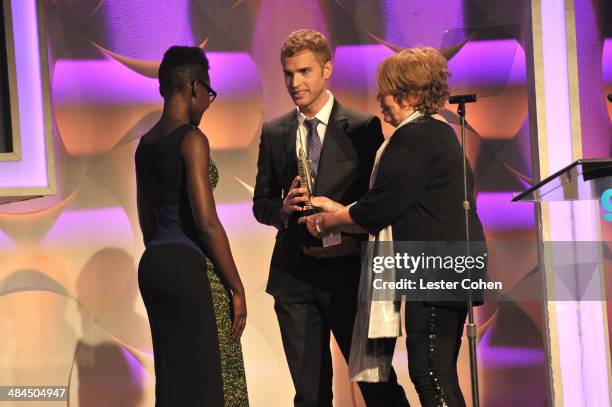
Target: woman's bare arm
[[196, 154]]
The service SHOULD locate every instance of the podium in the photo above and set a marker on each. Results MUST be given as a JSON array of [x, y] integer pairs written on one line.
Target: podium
[[585, 179], [571, 257]]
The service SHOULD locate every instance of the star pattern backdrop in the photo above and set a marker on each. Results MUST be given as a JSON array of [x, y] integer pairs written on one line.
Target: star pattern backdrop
[[70, 310]]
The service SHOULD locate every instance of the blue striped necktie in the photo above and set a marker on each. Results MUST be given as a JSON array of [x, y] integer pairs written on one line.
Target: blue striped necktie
[[314, 145]]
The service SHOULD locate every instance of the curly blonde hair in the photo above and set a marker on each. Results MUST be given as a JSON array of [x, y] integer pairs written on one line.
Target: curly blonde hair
[[306, 39], [419, 72]]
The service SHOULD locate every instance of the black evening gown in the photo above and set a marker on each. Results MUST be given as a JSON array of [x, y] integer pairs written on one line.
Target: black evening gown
[[189, 309]]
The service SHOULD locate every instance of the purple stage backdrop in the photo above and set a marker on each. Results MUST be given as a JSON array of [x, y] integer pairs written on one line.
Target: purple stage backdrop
[[69, 301]]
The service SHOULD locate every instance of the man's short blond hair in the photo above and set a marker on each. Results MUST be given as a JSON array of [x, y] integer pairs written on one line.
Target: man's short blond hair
[[306, 39], [420, 72]]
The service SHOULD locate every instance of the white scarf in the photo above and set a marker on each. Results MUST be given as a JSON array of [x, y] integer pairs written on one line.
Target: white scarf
[[370, 362]]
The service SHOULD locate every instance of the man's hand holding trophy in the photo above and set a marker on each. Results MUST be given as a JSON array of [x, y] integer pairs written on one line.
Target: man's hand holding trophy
[[307, 181]]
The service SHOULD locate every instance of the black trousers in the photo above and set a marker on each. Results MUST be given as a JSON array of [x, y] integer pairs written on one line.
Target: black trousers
[[433, 339], [320, 298], [176, 292]]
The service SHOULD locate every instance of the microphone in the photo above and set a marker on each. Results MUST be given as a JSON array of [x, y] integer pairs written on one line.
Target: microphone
[[456, 99], [609, 97]]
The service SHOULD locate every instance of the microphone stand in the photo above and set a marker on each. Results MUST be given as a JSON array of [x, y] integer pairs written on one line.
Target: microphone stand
[[471, 330]]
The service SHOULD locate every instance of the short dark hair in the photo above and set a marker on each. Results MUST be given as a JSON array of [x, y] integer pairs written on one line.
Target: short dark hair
[[180, 66]]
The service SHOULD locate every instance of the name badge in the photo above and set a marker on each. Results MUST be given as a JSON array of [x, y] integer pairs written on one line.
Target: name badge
[[332, 239]]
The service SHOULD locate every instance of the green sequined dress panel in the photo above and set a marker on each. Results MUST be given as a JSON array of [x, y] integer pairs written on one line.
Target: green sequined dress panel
[[232, 364]]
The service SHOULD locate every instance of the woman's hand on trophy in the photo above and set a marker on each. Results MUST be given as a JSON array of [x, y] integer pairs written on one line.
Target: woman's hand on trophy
[[325, 204], [312, 223]]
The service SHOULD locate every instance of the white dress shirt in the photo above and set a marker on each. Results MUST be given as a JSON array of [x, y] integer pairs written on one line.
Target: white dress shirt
[[323, 117]]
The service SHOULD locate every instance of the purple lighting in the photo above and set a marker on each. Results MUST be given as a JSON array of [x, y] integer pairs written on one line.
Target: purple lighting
[[101, 82], [110, 82], [497, 213], [102, 226], [6, 243], [137, 371], [421, 22], [498, 357], [357, 64], [237, 217], [145, 29], [606, 59], [488, 63], [498, 63]]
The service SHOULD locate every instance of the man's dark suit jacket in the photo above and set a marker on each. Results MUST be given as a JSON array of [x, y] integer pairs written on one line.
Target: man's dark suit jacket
[[351, 141]]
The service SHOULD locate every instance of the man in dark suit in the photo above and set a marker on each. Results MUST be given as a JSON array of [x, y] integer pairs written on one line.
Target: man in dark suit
[[314, 287]]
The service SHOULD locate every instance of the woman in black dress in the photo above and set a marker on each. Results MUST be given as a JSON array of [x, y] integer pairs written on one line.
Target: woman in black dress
[[198, 360], [416, 194]]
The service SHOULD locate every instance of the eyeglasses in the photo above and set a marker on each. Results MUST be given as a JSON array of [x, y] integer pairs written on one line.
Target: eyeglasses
[[211, 92]]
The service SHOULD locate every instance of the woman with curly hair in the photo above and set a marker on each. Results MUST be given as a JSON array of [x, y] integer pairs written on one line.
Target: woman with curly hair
[[416, 194]]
